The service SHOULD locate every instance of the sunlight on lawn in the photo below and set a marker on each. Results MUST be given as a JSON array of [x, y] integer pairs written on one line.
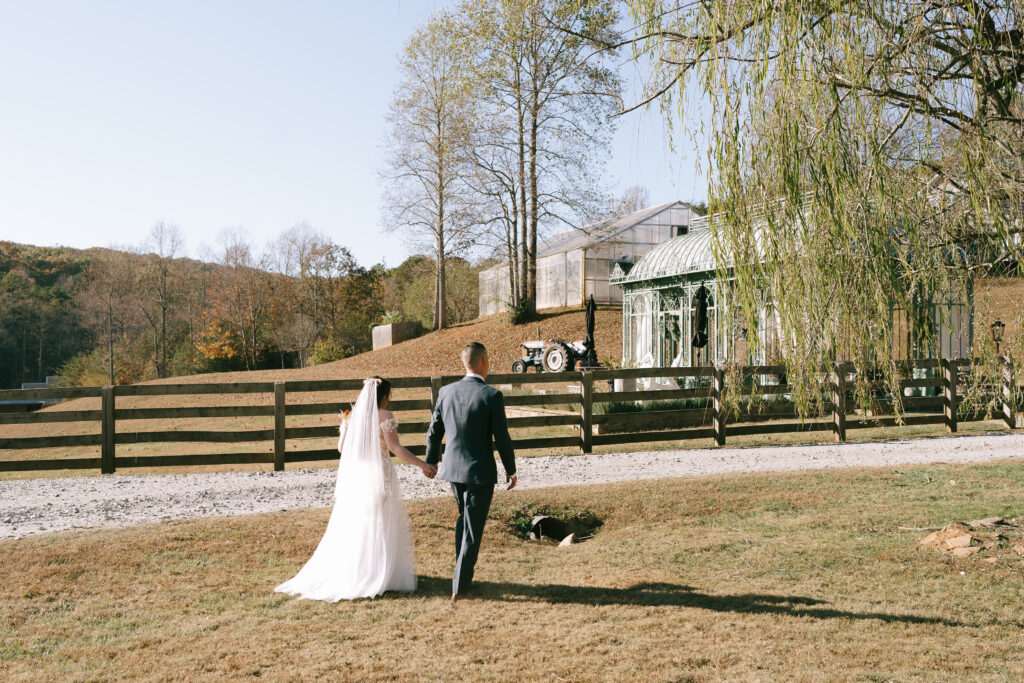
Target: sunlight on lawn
[[803, 575]]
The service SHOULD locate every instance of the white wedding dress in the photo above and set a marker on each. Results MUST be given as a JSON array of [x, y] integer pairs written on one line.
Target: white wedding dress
[[367, 548]]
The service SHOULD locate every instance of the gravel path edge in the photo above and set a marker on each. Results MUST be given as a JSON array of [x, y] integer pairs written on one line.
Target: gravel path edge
[[32, 506]]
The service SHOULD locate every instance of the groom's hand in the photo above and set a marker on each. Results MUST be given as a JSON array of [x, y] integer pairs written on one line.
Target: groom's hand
[[511, 481], [430, 471]]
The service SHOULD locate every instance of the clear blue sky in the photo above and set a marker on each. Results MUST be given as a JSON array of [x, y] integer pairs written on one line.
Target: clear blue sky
[[118, 114]]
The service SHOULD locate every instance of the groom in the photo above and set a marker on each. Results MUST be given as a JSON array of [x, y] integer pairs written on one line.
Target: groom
[[472, 414]]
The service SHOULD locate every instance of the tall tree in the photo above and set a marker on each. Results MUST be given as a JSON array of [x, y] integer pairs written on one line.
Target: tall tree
[[866, 155], [404, 291], [195, 303], [495, 183], [429, 131], [159, 283], [552, 89], [107, 303], [244, 304], [321, 274], [633, 199]]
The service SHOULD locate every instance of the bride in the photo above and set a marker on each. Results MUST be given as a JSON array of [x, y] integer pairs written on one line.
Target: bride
[[367, 548]]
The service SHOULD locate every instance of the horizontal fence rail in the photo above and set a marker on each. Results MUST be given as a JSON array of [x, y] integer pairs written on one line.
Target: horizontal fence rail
[[596, 407]]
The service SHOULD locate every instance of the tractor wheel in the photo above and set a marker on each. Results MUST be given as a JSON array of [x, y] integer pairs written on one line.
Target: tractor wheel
[[556, 358], [518, 367]]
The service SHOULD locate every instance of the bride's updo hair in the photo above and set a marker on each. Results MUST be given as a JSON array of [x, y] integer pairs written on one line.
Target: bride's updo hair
[[383, 390]]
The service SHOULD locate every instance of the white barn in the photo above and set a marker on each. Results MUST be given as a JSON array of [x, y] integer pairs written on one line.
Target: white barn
[[577, 263]]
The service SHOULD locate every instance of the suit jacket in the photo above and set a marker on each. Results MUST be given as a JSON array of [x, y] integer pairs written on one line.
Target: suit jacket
[[472, 414]]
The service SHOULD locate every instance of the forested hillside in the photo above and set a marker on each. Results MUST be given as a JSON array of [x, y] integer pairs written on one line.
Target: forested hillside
[[137, 313], [39, 327]]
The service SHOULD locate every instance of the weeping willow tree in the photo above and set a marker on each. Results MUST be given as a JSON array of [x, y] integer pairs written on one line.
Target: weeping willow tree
[[866, 156]]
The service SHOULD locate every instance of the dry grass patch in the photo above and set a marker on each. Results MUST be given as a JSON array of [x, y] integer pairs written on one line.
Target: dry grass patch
[[758, 576]]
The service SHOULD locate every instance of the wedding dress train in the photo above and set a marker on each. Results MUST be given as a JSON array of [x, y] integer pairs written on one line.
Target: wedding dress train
[[367, 548]]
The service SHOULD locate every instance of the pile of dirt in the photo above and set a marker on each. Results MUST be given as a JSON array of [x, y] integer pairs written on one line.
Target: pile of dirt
[[992, 537]]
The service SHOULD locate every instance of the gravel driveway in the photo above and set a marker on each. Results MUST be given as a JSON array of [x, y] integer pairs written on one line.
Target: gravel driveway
[[30, 506]]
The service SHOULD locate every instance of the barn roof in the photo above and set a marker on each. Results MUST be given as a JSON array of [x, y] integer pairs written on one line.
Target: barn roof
[[595, 233]]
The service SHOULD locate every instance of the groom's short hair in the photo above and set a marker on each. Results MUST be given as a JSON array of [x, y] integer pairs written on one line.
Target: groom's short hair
[[472, 354]]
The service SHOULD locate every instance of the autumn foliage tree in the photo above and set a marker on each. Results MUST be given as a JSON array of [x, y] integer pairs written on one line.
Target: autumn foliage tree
[[243, 304]]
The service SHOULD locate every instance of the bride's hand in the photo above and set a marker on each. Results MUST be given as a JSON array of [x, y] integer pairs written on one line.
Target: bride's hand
[[429, 471]]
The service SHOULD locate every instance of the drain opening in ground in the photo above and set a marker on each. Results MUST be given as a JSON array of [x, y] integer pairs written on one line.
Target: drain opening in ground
[[554, 527]]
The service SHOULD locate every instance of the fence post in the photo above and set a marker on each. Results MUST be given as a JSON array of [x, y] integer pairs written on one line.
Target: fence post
[[107, 430], [279, 426], [435, 391], [587, 412], [718, 380], [839, 401], [1009, 393], [949, 382]]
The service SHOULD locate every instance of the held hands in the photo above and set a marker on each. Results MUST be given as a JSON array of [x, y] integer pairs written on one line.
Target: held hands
[[429, 471]]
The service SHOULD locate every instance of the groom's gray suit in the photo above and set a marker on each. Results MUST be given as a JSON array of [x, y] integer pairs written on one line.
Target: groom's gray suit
[[472, 415]]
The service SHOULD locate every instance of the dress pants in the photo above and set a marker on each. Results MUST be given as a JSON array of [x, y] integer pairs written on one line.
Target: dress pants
[[474, 503]]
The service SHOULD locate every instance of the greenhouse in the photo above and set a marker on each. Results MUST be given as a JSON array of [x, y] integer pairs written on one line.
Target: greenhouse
[[576, 264], [676, 312]]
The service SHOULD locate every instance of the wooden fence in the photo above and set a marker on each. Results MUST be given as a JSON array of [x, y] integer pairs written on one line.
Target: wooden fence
[[759, 404]]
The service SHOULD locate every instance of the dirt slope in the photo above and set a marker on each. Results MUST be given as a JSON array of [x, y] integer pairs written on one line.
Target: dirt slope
[[437, 353], [1000, 299]]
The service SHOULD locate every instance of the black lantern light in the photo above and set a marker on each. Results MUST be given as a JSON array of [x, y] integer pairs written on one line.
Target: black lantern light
[[997, 333]]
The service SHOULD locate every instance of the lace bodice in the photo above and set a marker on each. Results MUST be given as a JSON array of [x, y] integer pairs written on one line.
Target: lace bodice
[[387, 426]]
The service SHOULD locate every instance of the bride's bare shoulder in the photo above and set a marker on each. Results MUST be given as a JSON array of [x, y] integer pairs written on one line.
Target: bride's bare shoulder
[[388, 421]]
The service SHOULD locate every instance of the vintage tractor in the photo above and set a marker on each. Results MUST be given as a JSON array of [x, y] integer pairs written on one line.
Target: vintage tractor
[[553, 355], [533, 357]]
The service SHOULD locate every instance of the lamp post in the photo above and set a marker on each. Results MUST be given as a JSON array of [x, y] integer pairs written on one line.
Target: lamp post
[[997, 333]]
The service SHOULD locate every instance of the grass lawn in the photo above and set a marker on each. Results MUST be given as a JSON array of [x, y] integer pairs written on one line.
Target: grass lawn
[[756, 576]]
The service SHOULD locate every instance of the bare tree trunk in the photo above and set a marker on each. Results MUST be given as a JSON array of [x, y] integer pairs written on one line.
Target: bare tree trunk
[[163, 341], [440, 298], [252, 348], [440, 293], [191, 334], [531, 251], [515, 282], [523, 283], [110, 341], [510, 249], [441, 316], [39, 358]]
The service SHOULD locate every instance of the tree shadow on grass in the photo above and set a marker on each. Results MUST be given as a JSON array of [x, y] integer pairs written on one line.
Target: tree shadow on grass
[[667, 594]]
